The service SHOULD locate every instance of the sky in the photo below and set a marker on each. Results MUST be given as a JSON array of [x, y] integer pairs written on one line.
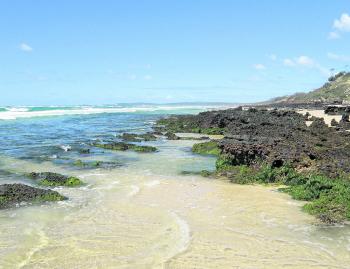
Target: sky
[[64, 52]]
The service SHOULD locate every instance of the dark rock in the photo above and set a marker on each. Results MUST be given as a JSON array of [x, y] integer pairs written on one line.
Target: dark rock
[[274, 137], [172, 136], [131, 137], [334, 123], [121, 146], [84, 151], [13, 194], [55, 179]]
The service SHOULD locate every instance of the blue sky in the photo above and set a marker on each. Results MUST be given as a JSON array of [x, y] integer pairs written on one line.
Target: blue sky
[[98, 52]]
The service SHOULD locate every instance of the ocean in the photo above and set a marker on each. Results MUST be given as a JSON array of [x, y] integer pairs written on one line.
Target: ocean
[[140, 210]]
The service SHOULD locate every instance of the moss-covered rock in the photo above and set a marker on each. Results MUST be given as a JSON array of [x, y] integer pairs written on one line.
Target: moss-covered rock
[[206, 148], [84, 151], [121, 146], [171, 136], [13, 194], [50, 179], [132, 137]]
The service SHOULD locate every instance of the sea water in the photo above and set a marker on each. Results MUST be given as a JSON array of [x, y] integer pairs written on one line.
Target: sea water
[[142, 212]]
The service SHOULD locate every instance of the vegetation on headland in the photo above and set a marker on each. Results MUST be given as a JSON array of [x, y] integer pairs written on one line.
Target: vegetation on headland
[[336, 89], [310, 163], [50, 179]]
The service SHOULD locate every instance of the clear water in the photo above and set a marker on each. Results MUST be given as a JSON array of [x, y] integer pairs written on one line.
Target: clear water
[[143, 213]]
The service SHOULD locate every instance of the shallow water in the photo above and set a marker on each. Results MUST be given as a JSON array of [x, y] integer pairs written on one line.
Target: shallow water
[[144, 214]]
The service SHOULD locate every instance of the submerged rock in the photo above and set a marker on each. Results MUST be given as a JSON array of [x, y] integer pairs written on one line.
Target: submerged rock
[[13, 194], [132, 137], [51, 179], [172, 136], [121, 146], [84, 151], [96, 164]]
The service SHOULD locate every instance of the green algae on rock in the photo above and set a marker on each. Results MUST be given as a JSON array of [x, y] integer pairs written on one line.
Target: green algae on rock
[[14, 194], [206, 148], [95, 164], [132, 137], [121, 146], [50, 179]]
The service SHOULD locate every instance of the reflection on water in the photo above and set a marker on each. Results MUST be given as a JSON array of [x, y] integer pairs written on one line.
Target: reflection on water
[[144, 214]]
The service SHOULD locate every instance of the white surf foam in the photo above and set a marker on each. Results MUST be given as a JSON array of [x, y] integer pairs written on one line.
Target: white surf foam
[[15, 113]]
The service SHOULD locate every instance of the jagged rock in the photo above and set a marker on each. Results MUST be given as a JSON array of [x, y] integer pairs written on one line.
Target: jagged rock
[[275, 137]]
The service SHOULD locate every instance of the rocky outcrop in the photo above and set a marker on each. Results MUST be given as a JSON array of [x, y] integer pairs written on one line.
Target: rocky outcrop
[[16, 194], [273, 136], [51, 179]]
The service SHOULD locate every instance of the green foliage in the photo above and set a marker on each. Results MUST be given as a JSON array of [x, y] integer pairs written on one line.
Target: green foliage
[[223, 163], [3, 200], [333, 205], [281, 175], [328, 199], [243, 174], [206, 148]]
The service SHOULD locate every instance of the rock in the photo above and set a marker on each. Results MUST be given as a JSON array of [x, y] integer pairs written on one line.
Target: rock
[[334, 123], [275, 137], [84, 151], [172, 136], [13, 194], [336, 110], [131, 137], [51, 179], [96, 164], [206, 148], [121, 146]]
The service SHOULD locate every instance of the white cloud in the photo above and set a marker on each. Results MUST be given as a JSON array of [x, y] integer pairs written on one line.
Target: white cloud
[[259, 66], [337, 57], [333, 35], [343, 23], [273, 57], [306, 62], [289, 62], [147, 77], [25, 47]]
